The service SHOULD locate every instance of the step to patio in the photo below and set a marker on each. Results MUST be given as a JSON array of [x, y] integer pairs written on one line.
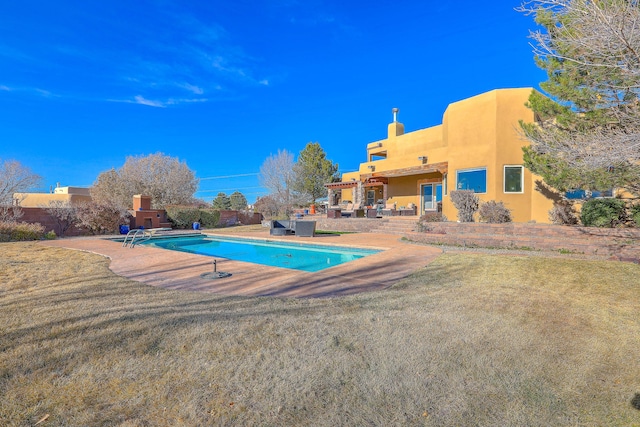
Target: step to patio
[[394, 227]]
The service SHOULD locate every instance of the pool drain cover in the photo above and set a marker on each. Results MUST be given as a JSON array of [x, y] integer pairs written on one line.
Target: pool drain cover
[[215, 275]]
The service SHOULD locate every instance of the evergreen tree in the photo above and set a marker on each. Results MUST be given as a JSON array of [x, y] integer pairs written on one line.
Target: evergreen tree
[[237, 201], [221, 202], [313, 170], [587, 132]]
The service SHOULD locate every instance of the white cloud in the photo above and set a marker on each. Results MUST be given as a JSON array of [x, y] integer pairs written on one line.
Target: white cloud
[[192, 88], [43, 92], [30, 90], [143, 101], [264, 82], [186, 101]]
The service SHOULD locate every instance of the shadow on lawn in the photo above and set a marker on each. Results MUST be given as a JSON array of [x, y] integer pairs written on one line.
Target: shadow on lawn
[[635, 402]]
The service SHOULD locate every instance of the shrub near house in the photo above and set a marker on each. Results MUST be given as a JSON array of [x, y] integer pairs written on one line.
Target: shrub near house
[[494, 212], [603, 213], [466, 202]]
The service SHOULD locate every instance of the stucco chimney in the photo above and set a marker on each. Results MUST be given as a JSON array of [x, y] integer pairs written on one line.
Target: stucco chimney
[[395, 128]]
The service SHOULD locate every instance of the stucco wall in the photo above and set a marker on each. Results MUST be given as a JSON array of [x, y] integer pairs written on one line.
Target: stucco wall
[[478, 132], [36, 200]]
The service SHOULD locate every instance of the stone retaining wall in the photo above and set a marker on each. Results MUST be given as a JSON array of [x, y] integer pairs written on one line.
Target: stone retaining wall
[[613, 243], [361, 225]]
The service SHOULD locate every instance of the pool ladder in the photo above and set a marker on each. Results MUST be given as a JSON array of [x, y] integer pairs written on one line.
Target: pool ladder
[[137, 236]]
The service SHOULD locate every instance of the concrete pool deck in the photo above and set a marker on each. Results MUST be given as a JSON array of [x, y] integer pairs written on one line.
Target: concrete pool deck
[[182, 271]]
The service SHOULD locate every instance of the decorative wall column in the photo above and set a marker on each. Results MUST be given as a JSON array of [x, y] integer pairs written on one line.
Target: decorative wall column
[[330, 196], [359, 194]]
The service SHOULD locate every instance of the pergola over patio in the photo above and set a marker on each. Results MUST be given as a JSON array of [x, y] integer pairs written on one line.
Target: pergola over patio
[[381, 179], [440, 167], [358, 194]]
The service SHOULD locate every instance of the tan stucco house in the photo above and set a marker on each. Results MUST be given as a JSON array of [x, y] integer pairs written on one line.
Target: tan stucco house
[[73, 195], [477, 147]]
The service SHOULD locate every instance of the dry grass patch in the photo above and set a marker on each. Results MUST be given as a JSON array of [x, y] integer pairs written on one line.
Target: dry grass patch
[[468, 340]]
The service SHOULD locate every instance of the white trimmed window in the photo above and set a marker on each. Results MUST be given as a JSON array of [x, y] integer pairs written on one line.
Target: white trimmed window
[[513, 179], [472, 179]]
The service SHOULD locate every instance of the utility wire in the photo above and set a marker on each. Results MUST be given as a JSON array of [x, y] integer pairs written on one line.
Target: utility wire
[[229, 176]]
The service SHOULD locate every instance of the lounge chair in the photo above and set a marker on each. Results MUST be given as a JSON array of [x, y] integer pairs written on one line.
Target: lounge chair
[[410, 210], [390, 210], [353, 210]]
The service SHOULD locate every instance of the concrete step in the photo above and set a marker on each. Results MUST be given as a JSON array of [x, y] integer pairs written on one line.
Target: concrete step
[[394, 227]]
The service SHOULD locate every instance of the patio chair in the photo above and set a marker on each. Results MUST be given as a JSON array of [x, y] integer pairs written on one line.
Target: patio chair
[[390, 210], [353, 210]]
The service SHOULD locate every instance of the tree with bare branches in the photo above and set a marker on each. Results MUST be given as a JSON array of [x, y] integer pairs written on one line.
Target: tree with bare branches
[[98, 218], [587, 133], [166, 179], [278, 175], [15, 178], [64, 214]]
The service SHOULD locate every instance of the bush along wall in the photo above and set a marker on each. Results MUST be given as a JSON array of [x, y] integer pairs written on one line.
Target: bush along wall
[[466, 202], [185, 216], [209, 218], [20, 231], [494, 212], [603, 213], [635, 214]]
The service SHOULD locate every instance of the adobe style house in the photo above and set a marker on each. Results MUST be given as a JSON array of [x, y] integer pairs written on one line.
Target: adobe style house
[[477, 147], [73, 195]]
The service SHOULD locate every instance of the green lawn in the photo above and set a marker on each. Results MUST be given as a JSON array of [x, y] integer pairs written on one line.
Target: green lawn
[[468, 340]]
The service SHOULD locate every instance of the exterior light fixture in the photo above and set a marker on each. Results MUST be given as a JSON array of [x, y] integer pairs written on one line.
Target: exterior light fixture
[[372, 167], [423, 159]]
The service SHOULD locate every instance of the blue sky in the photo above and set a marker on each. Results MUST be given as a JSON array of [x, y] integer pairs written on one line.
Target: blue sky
[[222, 85]]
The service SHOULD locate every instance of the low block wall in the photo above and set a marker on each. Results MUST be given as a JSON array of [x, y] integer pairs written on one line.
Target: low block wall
[[617, 243], [614, 243], [229, 218], [41, 216]]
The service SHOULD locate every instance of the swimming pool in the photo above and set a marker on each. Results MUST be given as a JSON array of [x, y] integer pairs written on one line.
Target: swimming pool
[[296, 256]]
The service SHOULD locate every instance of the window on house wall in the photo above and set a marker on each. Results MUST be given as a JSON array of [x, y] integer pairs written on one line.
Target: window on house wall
[[381, 155], [513, 179], [371, 197], [472, 179]]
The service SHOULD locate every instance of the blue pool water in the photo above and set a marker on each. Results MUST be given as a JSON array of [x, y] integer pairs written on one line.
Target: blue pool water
[[295, 256]]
